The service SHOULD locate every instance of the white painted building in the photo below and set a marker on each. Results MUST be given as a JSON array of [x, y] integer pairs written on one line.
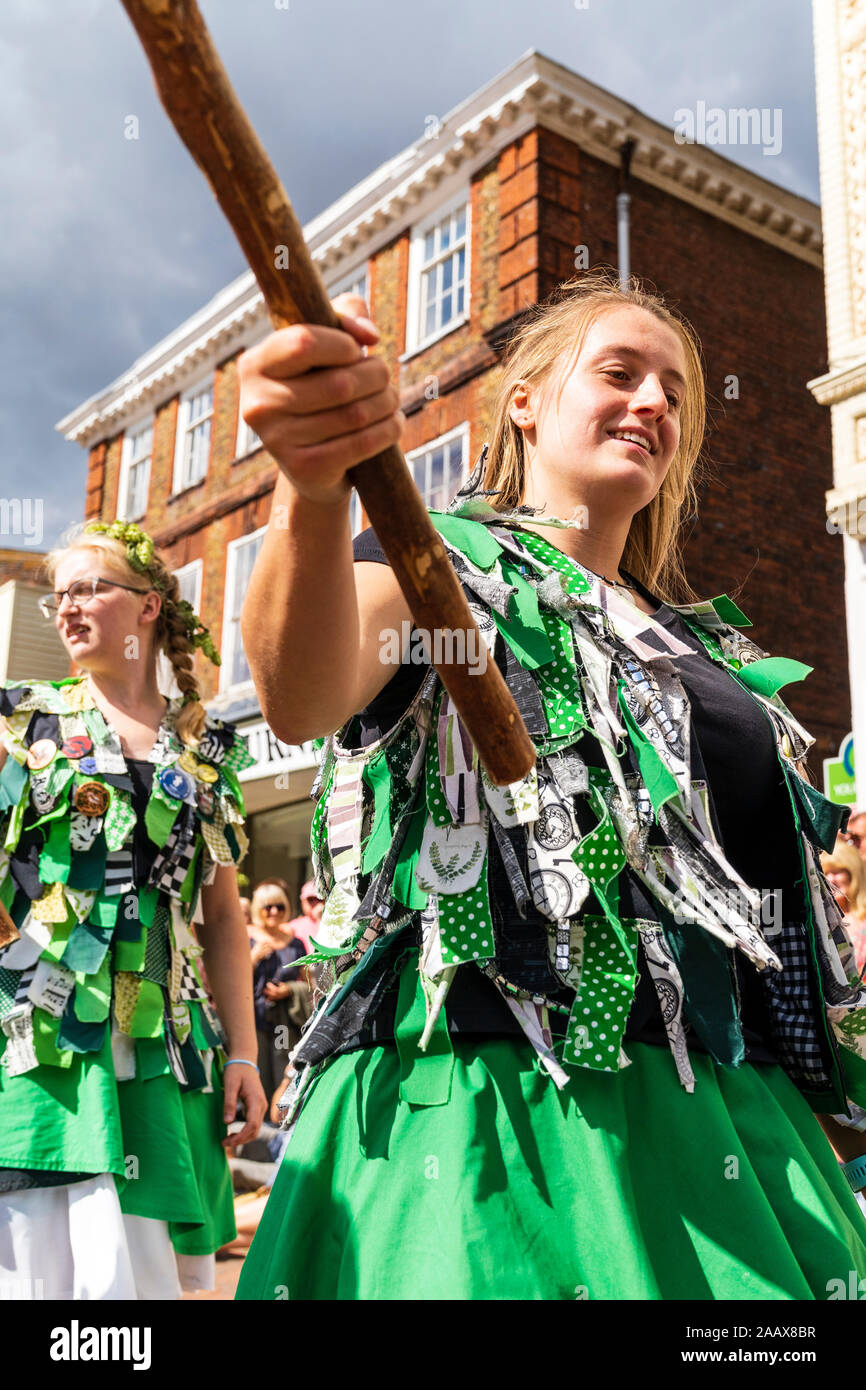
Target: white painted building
[[840, 64]]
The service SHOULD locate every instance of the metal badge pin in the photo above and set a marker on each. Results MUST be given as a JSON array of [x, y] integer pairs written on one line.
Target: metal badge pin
[[91, 799], [176, 784], [41, 753], [77, 747]]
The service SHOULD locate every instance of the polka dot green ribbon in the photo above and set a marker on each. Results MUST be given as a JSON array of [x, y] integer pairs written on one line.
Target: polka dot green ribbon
[[465, 924], [601, 1007]]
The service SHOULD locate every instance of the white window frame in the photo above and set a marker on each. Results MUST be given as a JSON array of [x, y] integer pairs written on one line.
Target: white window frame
[[165, 677], [460, 432], [124, 511], [231, 626], [183, 428], [246, 440], [416, 340], [355, 281], [195, 567]]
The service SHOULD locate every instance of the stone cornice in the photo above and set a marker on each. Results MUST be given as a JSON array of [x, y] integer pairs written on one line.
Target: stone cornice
[[840, 383], [533, 91]]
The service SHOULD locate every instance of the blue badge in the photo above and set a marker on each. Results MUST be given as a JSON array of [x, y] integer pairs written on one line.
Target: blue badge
[[176, 783], [87, 765]]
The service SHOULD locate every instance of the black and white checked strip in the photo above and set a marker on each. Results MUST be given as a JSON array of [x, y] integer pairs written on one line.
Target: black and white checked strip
[[793, 1010], [189, 985], [171, 865]]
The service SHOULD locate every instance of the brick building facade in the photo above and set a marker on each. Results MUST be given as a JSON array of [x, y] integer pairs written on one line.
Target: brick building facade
[[515, 189]]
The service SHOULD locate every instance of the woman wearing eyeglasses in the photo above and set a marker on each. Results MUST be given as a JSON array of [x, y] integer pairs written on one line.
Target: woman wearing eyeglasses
[[121, 821], [282, 998]]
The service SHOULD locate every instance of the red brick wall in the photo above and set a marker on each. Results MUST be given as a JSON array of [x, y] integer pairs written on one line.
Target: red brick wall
[[761, 533]]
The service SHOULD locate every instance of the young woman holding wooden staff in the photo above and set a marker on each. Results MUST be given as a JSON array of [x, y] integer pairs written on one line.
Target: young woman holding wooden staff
[[574, 1030], [121, 815]]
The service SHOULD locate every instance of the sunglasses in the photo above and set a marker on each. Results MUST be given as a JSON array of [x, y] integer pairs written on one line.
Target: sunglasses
[[275, 907]]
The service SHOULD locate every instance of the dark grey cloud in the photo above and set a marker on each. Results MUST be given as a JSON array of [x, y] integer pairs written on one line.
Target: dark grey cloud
[[110, 242]]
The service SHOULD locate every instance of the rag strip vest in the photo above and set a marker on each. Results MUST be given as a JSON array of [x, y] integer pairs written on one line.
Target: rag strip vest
[[87, 951], [403, 831]]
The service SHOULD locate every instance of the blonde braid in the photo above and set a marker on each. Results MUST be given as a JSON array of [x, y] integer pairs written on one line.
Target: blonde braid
[[172, 629]]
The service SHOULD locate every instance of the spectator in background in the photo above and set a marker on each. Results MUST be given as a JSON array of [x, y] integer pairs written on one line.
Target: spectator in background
[[246, 910], [311, 914], [846, 874], [279, 995], [856, 832]]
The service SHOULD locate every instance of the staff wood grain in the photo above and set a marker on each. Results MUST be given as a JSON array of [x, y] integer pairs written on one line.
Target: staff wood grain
[[201, 103]]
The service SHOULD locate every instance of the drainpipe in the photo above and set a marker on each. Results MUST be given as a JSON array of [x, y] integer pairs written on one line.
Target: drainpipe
[[623, 202]]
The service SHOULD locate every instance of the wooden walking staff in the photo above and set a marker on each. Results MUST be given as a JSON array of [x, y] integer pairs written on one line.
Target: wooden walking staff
[[196, 93]]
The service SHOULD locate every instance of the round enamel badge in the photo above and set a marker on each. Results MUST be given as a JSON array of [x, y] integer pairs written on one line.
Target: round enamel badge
[[175, 783], [87, 765], [41, 753], [188, 762], [77, 747], [204, 773], [91, 799]]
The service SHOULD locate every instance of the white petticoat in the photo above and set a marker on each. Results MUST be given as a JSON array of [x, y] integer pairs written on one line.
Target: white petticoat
[[73, 1242]]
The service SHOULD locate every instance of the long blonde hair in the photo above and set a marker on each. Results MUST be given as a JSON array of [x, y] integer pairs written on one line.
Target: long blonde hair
[[554, 332], [170, 634]]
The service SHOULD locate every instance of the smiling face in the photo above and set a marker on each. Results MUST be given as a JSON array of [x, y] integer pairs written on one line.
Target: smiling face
[[95, 633], [605, 431]]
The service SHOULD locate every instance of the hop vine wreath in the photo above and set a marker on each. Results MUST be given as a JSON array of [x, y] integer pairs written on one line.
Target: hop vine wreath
[[140, 551]]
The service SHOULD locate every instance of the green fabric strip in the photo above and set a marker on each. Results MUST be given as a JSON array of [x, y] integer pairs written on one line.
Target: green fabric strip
[[469, 537], [45, 1030], [658, 779], [404, 887], [13, 779], [524, 630], [709, 1002], [92, 998], [85, 950], [160, 815], [147, 1021], [425, 1077], [75, 1036], [104, 911], [770, 675], [56, 858], [819, 817], [377, 776], [729, 612]]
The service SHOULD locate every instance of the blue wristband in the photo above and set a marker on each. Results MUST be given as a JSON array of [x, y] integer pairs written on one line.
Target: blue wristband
[[242, 1062], [855, 1172]]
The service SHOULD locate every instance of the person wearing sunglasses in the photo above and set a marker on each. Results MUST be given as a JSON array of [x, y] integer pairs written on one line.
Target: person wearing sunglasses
[[117, 1077]]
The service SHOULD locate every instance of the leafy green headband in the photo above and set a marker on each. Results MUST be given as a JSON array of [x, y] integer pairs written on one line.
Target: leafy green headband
[[140, 553]]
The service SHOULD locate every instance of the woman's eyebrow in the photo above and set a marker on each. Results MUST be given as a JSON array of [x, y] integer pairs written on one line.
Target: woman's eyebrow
[[623, 351]]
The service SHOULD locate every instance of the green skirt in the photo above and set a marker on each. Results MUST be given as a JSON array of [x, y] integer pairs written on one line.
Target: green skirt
[[162, 1144], [622, 1186]]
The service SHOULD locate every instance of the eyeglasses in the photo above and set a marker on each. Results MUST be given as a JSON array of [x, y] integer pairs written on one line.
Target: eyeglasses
[[275, 907], [852, 838], [82, 592]]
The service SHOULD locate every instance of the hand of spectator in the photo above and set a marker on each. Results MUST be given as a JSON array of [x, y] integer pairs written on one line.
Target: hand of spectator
[[262, 950], [274, 990]]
